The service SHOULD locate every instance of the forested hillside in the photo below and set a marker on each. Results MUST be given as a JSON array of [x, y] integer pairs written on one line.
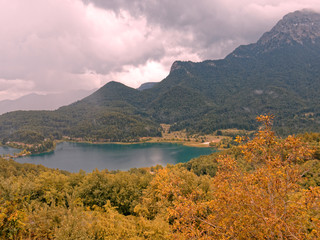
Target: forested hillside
[[279, 74], [266, 188]]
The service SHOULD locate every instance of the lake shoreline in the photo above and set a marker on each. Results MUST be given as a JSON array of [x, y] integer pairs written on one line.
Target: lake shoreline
[[151, 140], [73, 156], [184, 143]]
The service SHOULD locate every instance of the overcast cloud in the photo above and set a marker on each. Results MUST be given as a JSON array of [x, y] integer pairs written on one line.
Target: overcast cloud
[[51, 46]]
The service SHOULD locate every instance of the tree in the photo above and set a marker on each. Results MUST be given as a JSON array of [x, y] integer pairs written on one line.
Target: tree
[[264, 201]]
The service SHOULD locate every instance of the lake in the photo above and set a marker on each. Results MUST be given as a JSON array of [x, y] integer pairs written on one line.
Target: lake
[[8, 150], [75, 156]]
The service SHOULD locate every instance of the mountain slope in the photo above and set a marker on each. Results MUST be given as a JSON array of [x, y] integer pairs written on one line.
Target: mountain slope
[[146, 85], [279, 74]]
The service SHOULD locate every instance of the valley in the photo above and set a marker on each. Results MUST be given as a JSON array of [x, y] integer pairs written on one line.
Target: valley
[[219, 149]]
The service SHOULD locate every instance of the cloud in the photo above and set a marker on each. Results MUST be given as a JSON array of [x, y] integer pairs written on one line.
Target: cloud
[[215, 27], [13, 88], [53, 42], [59, 45]]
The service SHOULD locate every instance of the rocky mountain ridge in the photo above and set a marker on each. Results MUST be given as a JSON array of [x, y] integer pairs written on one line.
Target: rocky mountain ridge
[[297, 28], [279, 74]]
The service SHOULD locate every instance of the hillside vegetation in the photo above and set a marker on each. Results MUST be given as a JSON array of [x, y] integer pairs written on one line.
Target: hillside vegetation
[[265, 188]]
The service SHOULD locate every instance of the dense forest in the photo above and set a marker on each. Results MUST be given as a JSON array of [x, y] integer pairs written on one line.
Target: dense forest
[[265, 188]]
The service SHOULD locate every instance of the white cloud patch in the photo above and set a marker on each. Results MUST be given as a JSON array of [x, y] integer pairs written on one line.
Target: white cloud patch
[[150, 72], [60, 45]]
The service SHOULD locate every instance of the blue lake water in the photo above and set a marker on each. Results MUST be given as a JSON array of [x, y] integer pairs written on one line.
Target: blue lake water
[[75, 156]]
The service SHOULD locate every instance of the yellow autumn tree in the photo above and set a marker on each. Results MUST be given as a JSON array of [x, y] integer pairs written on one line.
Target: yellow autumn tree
[[264, 202]]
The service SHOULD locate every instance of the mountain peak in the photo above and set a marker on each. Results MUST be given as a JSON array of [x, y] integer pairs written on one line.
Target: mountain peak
[[299, 27]]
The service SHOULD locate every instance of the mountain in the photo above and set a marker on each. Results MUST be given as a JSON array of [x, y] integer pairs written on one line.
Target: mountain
[[42, 102], [147, 85], [279, 74], [300, 28]]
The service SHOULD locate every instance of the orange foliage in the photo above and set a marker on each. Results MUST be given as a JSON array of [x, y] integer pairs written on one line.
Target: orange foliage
[[264, 203]]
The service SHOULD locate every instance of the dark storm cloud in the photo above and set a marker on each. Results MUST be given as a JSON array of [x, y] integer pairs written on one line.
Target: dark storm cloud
[[57, 45], [216, 26]]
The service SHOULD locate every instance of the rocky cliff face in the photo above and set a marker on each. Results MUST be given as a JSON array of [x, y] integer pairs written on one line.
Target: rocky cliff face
[[297, 28]]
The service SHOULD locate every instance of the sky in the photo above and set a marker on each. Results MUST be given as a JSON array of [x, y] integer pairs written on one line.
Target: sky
[[54, 46]]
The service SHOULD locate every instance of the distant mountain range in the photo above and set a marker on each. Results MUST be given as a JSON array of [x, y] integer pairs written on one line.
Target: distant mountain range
[[147, 85], [42, 102], [279, 74]]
